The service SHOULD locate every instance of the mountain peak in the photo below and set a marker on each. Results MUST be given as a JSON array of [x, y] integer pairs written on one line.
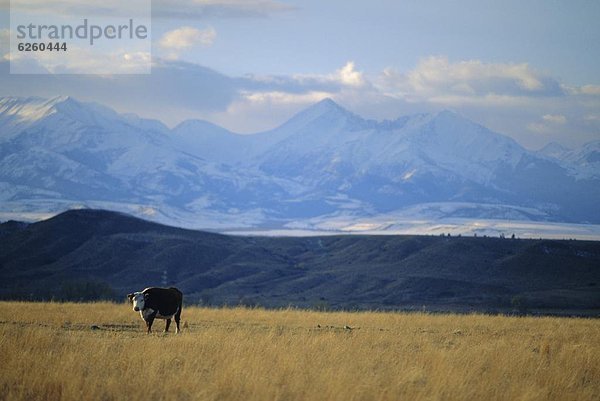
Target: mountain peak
[[32, 109], [198, 125], [554, 149], [17, 113], [68, 103], [327, 102], [325, 108], [327, 105], [449, 115], [60, 99]]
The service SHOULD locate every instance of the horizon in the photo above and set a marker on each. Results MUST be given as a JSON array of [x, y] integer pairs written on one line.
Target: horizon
[[521, 230]]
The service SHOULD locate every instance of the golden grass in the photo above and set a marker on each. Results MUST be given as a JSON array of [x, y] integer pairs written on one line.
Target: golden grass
[[49, 351]]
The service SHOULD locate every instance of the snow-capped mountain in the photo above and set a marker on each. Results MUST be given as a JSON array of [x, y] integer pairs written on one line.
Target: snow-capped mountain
[[554, 150], [79, 153], [325, 161], [586, 160], [582, 163]]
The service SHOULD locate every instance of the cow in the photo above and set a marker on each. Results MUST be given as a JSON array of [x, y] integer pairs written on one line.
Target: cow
[[156, 302]]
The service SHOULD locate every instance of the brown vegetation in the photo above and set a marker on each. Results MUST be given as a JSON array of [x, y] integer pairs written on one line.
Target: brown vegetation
[[54, 351]]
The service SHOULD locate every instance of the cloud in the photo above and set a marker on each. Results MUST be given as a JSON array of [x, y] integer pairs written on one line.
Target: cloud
[[170, 93], [266, 101], [548, 124], [436, 79], [278, 97], [554, 118], [261, 111], [347, 75], [82, 60], [186, 37], [513, 99], [590, 90]]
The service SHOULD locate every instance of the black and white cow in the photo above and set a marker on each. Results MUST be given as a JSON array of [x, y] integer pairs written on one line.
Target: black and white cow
[[161, 303]]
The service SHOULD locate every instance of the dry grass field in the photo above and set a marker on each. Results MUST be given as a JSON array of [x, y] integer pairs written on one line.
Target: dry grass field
[[54, 351]]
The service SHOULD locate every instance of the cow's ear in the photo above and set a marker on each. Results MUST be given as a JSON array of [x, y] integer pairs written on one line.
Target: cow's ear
[[130, 297], [146, 295]]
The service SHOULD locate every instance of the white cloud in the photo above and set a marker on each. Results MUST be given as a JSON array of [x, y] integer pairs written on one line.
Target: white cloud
[[548, 124], [270, 100], [186, 37], [278, 97], [512, 98], [438, 71], [347, 75], [555, 118], [436, 79], [82, 60], [590, 90]]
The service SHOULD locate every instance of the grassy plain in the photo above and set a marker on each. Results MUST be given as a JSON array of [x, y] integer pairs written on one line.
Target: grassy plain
[[54, 351]]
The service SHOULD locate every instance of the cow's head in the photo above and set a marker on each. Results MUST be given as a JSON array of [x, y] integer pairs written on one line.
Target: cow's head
[[138, 299]]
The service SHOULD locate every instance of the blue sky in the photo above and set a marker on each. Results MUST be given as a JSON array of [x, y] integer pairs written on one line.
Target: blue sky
[[528, 69], [319, 36]]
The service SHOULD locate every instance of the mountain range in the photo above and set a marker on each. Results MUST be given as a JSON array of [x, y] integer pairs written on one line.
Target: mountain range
[[324, 164]]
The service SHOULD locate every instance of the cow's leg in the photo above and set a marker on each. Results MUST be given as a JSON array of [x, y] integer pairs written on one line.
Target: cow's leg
[[177, 318], [167, 326], [149, 325]]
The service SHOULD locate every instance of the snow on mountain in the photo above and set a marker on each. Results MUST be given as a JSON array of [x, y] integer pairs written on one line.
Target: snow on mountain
[[585, 162], [420, 158], [215, 143], [582, 163], [466, 148], [17, 113], [442, 142], [88, 153], [211, 142], [324, 161], [554, 150]]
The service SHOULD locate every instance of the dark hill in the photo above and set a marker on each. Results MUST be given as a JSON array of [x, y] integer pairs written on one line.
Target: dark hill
[[91, 254]]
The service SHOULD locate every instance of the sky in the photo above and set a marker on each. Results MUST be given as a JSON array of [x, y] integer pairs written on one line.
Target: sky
[[530, 70]]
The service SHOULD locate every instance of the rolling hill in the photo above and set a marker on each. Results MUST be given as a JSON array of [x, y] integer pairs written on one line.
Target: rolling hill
[[91, 254]]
